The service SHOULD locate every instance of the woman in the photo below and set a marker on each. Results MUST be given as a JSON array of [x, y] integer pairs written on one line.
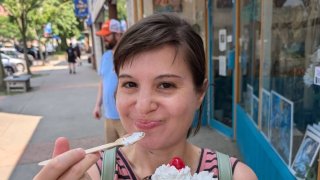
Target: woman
[[160, 63]]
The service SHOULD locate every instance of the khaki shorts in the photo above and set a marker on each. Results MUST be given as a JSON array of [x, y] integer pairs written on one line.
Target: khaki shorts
[[114, 130]]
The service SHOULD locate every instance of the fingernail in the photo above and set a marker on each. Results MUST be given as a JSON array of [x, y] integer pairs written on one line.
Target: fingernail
[[80, 150]]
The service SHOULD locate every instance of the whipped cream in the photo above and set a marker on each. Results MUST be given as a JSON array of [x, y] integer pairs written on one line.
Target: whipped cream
[[165, 172]]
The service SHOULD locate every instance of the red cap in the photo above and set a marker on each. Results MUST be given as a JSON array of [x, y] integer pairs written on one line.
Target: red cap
[[109, 27]]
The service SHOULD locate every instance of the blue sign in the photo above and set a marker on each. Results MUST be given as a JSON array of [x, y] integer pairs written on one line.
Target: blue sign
[[81, 8], [47, 30], [89, 20]]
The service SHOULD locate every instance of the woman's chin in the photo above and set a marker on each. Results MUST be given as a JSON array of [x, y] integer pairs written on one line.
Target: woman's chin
[[151, 144]]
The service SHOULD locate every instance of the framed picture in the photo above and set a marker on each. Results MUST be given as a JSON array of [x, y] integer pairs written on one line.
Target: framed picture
[[306, 154], [313, 130], [281, 126], [265, 112], [167, 6], [249, 100], [255, 108], [317, 127]]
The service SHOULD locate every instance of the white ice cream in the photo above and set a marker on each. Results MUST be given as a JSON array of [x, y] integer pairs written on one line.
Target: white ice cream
[[166, 172]]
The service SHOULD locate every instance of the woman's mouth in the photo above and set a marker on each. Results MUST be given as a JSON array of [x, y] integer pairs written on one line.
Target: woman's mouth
[[147, 125]]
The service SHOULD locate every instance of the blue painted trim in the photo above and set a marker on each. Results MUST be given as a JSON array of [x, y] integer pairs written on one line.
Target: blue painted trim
[[211, 121], [227, 131], [210, 47], [257, 152], [234, 75]]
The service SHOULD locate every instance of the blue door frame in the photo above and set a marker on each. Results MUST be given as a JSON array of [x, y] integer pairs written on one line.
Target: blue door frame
[[224, 129]]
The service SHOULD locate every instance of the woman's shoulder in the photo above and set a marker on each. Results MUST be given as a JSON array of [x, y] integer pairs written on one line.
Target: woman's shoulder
[[209, 162], [122, 167], [239, 169]]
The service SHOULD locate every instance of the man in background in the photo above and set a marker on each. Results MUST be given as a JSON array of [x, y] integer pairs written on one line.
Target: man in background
[[71, 59], [111, 33]]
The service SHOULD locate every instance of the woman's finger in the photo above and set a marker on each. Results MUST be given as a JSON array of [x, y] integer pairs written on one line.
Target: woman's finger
[[78, 171], [61, 145], [61, 164]]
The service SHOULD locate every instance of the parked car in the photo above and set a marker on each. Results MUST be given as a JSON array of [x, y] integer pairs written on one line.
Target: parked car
[[9, 67], [19, 63], [15, 53], [50, 48], [33, 51]]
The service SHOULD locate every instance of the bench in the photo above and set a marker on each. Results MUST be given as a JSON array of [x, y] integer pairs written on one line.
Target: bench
[[19, 83]]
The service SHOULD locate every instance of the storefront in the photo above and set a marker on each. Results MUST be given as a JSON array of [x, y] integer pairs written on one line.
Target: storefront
[[279, 94], [264, 77]]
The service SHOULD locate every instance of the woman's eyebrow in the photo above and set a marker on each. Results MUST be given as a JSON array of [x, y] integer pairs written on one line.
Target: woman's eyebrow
[[124, 76], [169, 76]]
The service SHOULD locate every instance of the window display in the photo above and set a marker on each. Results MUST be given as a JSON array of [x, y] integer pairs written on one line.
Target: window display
[[306, 155], [290, 73], [281, 121], [250, 56], [265, 114]]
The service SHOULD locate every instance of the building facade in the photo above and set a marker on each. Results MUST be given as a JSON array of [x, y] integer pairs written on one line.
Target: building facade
[[264, 76]]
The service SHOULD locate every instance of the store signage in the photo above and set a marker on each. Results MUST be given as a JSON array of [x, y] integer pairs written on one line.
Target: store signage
[[317, 75], [222, 39], [222, 66], [81, 8], [89, 20], [47, 30]]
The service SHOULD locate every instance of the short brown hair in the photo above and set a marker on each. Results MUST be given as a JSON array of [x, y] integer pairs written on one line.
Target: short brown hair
[[164, 29]]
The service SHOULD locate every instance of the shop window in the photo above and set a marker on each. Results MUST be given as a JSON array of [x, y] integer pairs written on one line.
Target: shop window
[[290, 88], [192, 11], [250, 57], [224, 3]]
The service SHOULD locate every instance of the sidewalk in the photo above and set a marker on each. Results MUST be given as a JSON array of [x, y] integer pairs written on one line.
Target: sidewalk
[[63, 103]]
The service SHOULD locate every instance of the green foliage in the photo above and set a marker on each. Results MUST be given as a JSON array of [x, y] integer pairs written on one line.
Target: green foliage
[[63, 19], [8, 29], [19, 11], [61, 16], [122, 9]]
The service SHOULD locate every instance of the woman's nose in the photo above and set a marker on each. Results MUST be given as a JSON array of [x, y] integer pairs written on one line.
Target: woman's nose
[[145, 103]]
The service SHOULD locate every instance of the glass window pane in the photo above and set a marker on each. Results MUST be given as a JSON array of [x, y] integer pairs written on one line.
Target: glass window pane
[[250, 39], [290, 97]]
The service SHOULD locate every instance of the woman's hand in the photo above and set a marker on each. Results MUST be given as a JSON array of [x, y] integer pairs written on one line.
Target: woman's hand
[[66, 163]]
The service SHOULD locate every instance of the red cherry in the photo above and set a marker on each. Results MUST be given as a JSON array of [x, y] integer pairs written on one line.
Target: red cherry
[[177, 162]]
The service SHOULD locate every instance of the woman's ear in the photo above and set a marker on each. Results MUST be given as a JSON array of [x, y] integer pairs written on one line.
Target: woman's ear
[[203, 91]]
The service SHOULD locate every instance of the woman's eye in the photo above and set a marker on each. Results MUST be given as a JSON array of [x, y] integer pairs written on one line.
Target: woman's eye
[[129, 85], [166, 85]]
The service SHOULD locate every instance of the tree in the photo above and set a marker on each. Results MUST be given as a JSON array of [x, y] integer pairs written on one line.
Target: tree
[[66, 25], [19, 11], [8, 30], [60, 14], [2, 75]]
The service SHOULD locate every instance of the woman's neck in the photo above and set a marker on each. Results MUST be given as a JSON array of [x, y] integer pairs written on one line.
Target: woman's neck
[[144, 162]]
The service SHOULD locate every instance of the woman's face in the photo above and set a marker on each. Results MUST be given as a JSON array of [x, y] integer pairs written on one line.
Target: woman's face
[[156, 95]]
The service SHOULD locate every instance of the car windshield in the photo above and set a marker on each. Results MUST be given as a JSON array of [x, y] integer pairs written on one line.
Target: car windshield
[[10, 53], [5, 56]]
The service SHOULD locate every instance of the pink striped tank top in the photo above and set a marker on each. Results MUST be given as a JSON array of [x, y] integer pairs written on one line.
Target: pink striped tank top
[[208, 162]]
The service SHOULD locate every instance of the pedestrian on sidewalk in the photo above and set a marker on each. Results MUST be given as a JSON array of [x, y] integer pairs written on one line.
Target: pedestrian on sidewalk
[[78, 52], [161, 66], [71, 59], [110, 32]]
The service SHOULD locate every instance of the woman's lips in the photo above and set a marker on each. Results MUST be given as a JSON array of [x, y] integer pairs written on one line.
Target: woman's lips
[[146, 125]]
